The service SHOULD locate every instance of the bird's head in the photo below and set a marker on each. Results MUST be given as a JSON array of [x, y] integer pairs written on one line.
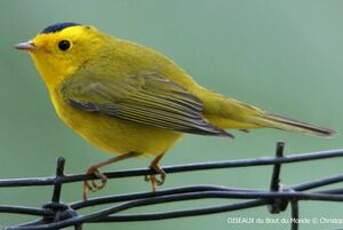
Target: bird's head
[[62, 48]]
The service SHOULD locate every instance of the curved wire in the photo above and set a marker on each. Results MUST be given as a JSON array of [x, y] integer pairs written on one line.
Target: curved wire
[[56, 215]]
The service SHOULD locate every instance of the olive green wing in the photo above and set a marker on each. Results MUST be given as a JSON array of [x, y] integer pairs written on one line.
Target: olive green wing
[[145, 98]]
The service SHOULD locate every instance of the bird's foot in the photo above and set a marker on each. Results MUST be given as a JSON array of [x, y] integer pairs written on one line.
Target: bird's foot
[[153, 179], [92, 185]]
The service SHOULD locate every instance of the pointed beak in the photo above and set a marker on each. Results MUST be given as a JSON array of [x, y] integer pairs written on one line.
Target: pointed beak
[[27, 46]]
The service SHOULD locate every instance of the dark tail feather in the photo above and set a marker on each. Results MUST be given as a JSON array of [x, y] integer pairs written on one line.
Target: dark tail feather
[[284, 123]]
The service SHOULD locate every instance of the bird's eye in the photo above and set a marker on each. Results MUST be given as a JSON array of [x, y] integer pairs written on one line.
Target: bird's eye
[[64, 45]]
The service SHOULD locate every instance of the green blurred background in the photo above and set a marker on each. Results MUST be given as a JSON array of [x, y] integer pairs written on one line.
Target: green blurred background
[[285, 56]]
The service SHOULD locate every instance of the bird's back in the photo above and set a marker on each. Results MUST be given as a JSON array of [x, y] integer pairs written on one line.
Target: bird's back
[[125, 59], [220, 111]]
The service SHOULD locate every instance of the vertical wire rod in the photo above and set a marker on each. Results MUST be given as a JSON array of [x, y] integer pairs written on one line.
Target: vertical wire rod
[[295, 215], [56, 196], [278, 205]]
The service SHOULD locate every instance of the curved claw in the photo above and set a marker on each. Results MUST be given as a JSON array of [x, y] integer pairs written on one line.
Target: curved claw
[[147, 178], [92, 185], [103, 179], [162, 178], [154, 180]]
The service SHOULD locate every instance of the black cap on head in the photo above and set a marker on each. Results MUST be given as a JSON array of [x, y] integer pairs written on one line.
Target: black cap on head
[[58, 27]]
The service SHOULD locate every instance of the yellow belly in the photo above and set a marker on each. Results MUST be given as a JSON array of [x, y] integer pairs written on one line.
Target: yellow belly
[[115, 135]]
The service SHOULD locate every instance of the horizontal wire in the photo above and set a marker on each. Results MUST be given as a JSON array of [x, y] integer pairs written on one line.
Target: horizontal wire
[[319, 182], [293, 194], [262, 199], [228, 193], [182, 213], [292, 158], [142, 202], [140, 195], [24, 210]]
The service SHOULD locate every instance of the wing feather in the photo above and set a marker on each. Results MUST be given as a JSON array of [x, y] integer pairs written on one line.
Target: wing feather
[[145, 98]]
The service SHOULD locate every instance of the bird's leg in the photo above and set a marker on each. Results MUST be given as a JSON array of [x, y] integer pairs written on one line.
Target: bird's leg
[[94, 170], [155, 165]]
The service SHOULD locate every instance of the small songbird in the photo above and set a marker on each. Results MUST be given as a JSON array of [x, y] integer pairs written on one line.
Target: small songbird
[[131, 100]]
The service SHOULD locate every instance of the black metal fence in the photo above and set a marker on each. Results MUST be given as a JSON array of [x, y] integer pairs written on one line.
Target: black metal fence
[[57, 215]]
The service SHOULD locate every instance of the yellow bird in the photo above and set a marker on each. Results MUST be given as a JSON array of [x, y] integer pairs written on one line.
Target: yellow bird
[[131, 100]]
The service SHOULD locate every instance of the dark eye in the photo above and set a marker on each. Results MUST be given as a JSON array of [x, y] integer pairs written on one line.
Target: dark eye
[[64, 45]]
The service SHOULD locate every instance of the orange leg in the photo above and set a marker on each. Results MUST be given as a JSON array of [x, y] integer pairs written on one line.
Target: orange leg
[[155, 165], [94, 170]]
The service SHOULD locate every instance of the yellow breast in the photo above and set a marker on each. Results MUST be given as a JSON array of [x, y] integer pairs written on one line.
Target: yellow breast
[[111, 134]]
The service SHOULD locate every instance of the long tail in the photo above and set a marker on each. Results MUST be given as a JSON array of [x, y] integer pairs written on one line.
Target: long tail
[[229, 113], [284, 123]]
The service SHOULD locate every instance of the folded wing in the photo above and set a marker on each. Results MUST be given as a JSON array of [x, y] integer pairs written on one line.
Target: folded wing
[[145, 98]]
